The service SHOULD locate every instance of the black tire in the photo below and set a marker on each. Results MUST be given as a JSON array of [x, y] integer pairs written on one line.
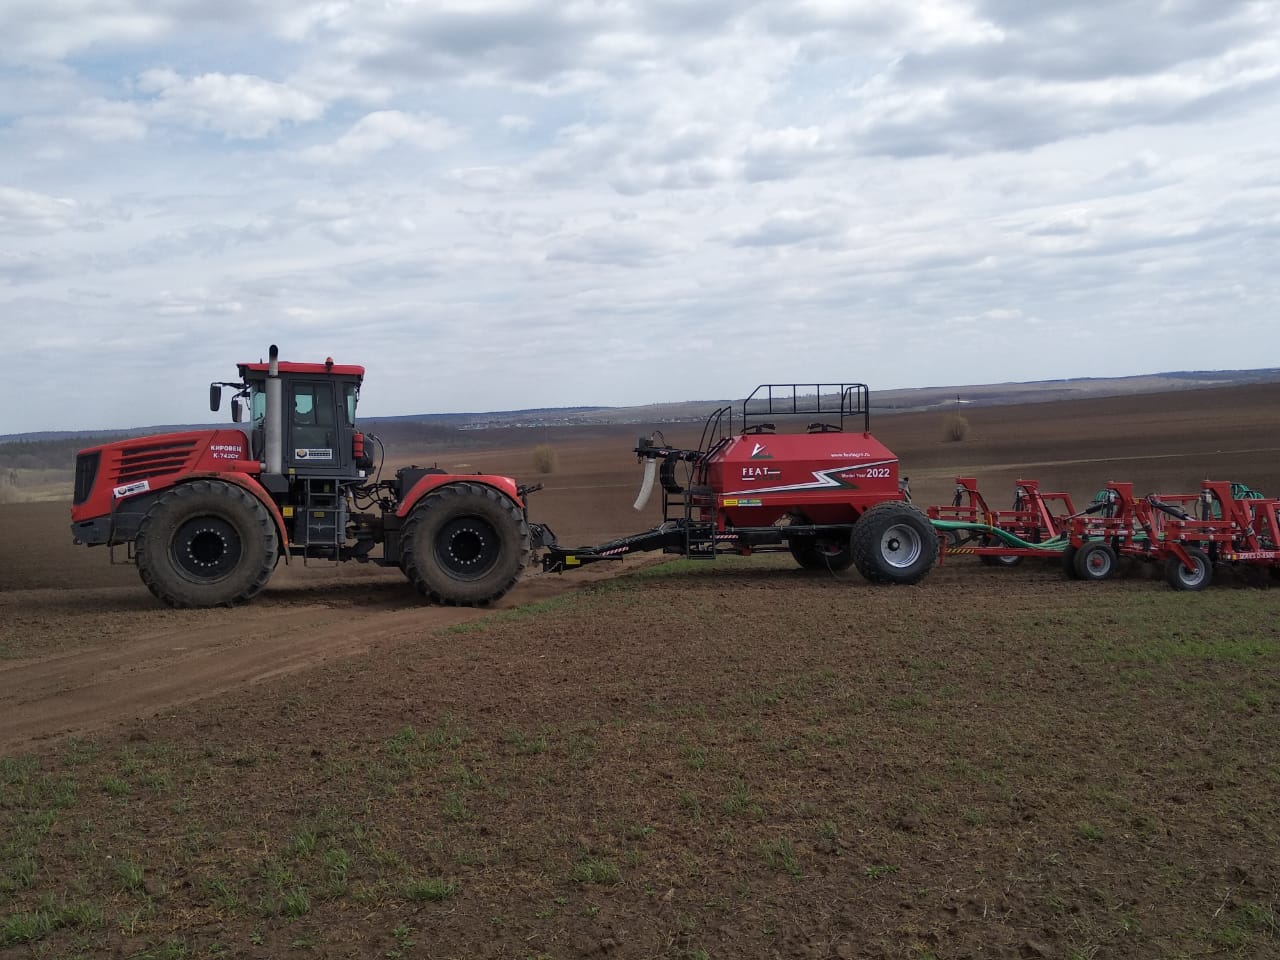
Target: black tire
[[1069, 563], [893, 542], [1095, 560], [206, 544], [820, 553], [465, 545], [990, 561], [1180, 578]]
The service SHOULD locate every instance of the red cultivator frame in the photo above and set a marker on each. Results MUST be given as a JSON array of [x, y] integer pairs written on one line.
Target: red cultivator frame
[[1002, 537], [1235, 526]]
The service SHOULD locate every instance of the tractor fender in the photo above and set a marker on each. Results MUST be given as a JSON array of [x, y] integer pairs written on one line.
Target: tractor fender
[[433, 481], [245, 480]]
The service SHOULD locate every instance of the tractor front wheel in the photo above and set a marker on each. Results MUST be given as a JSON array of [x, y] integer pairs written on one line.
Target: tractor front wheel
[[1180, 578], [817, 553], [894, 542], [206, 544], [1096, 560], [465, 544]]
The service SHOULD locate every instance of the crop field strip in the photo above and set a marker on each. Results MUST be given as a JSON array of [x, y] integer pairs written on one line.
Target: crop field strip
[[1004, 762]]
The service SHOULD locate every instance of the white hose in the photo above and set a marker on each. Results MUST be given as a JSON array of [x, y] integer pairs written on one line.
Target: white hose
[[646, 486]]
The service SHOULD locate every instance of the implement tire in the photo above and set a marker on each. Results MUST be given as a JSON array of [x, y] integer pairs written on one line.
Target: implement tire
[[1095, 560], [815, 553], [1069, 562], [991, 540], [893, 542], [206, 544], [1180, 578], [465, 544]]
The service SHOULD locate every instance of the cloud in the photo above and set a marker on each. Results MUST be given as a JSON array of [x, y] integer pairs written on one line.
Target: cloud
[[793, 227], [193, 303], [381, 131], [95, 120], [24, 211], [602, 179], [234, 105], [624, 245]]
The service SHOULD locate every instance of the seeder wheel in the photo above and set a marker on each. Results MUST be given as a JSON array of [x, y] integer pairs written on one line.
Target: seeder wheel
[[893, 542]]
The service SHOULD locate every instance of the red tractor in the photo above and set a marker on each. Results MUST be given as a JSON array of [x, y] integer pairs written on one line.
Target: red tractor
[[207, 514], [829, 495]]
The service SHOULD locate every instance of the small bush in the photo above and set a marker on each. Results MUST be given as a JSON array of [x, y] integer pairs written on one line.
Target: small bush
[[545, 459], [954, 428]]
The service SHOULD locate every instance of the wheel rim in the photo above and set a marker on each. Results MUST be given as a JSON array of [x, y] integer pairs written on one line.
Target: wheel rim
[[829, 548], [206, 548], [1098, 562], [1193, 578], [468, 547], [900, 546]]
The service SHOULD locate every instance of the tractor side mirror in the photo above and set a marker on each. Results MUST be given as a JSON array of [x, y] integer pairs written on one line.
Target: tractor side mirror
[[215, 396], [237, 410]]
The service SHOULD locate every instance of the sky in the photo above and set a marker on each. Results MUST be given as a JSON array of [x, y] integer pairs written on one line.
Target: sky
[[504, 204]]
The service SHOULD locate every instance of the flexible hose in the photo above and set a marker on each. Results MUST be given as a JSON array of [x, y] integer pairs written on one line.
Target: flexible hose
[[646, 485], [1055, 545]]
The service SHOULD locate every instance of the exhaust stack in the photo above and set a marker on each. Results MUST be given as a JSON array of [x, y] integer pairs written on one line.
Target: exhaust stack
[[275, 414]]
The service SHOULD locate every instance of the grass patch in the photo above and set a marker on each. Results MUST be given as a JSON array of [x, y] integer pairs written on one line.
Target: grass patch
[[429, 888], [597, 871]]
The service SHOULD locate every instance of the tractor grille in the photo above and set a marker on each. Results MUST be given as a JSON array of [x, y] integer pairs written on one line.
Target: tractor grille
[[86, 473], [154, 460]]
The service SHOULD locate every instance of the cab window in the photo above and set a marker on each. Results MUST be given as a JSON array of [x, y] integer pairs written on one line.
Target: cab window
[[352, 394], [313, 415]]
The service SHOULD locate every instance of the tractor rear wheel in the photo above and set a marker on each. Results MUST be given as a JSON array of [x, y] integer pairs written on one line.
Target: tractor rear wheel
[[465, 544], [893, 542], [206, 544], [1180, 578], [820, 553], [1096, 560]]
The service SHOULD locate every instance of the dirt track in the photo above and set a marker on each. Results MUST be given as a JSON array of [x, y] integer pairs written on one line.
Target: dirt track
[[82, 660]]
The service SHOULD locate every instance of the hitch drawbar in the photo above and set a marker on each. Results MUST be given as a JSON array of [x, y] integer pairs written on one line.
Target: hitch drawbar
[[557, 559], [673, 536]]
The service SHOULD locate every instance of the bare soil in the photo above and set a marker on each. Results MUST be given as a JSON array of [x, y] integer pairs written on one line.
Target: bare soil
[[713, 760]]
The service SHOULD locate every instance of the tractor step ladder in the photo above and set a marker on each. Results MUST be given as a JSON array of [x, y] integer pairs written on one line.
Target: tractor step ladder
[[323, 519]]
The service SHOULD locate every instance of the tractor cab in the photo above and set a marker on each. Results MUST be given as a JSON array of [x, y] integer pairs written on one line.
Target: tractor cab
[[315, 424]]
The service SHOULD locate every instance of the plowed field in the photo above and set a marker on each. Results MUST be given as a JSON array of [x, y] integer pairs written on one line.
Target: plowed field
[[735, 759]]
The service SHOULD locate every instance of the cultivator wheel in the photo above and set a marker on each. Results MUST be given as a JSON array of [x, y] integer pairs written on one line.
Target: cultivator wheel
[[1069, 562], [1180, 578], [997, 561], [893, 542], [1095, 560], [815, 553]]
